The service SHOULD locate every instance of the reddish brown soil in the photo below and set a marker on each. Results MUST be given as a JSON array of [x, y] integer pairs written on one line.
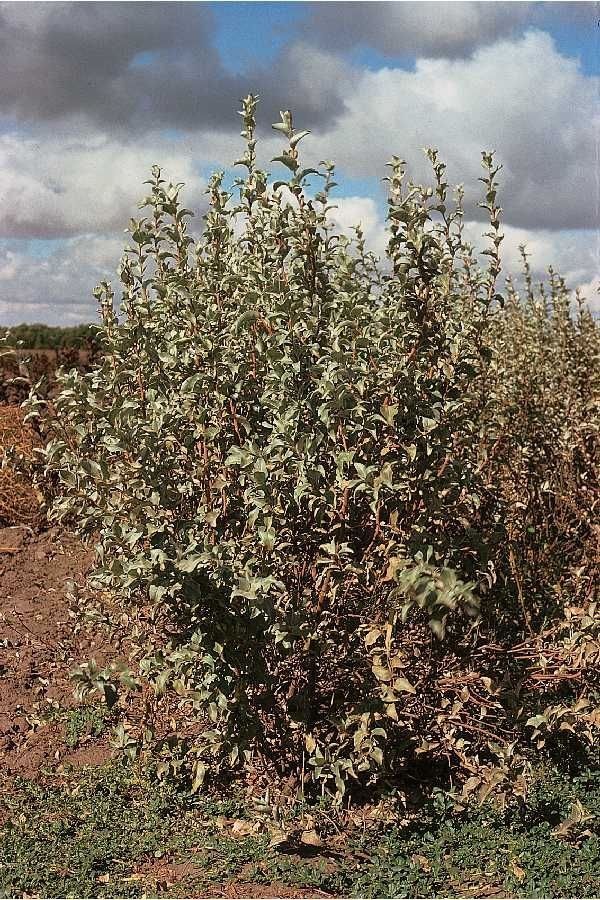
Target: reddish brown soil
[[19, 501], [168, 874], [41, 363], [235, 890], [39, 645]]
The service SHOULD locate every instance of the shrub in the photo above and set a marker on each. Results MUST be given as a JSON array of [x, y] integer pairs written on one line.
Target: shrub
[[282, 453], [542, 450], [53, 337]]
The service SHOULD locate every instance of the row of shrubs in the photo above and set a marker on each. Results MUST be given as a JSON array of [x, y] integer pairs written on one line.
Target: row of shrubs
[[346, 508], [38, 336]]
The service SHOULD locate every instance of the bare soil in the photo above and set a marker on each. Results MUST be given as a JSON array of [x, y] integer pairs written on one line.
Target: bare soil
[[40, 363], [171, 873], [233, 889], [39, 645]]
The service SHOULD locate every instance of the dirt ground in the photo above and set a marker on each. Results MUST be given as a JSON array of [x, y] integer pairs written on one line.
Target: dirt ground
[[38, 647], [41, 363]]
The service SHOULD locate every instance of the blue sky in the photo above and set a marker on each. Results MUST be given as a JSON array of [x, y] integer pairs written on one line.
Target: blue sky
[[248, 31], [91, 94]]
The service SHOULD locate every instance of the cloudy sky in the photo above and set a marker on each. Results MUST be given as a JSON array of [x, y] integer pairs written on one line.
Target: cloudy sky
[[91, 94]]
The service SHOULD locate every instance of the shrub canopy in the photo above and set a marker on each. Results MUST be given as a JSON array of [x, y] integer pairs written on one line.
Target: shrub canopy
[[304, 471]]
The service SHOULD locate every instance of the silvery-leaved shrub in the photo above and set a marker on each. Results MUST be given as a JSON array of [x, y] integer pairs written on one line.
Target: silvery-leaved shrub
[[279, 457]]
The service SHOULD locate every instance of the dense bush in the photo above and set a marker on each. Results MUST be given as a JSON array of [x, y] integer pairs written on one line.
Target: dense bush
[[541, 447], [323, 488]]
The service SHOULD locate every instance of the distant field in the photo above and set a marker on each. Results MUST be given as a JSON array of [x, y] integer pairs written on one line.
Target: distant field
[[42, 362]]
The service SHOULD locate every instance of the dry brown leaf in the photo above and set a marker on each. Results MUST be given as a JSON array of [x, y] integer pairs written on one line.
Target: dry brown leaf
[[311, 838], [421, 861], [278, 836], [242, 828], [517, 871]]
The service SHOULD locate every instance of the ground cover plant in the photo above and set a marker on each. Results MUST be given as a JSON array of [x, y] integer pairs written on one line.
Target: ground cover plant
[[345, 513], [111, 832]]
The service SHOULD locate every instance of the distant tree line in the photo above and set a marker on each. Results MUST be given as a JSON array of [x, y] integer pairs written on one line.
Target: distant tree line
[[53, 337]]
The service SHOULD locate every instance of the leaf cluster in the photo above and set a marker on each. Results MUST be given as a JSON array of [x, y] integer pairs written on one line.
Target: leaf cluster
[[298, 464]]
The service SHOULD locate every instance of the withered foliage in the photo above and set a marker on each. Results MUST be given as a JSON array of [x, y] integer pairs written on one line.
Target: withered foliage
[[19, 500]]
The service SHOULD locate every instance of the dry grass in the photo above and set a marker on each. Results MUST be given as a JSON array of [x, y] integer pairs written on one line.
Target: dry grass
[[19, 502]]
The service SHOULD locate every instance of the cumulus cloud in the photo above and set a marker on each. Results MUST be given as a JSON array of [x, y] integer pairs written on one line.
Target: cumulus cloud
[[544, 127], [433, 29], [574, 254], [65, 185], [88, 92], [56, 289], [84, 59], [590, 290], [352, 211], [138, 67], [449, 30], [521, 98]]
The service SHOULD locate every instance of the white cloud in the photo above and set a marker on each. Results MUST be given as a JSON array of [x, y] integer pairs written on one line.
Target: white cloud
[[363, 211], [61, 185], [57, 289], [436, 29], [590, 290], [9, 266], [544, 128], [520, 98], [575, 254]]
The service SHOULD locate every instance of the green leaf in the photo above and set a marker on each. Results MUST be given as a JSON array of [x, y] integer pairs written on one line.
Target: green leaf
[[377, 755], [287, 161], [190, 564], [199, 777], [298, 137], [438, 627]]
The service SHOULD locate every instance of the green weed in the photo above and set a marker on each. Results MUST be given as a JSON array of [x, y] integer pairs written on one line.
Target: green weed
[[112, 832], [84, 721]]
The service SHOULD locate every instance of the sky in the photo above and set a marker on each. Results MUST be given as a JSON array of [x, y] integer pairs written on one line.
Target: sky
[[92, 94]]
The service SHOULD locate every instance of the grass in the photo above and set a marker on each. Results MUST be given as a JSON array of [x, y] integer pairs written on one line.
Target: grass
[[112, 833]]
